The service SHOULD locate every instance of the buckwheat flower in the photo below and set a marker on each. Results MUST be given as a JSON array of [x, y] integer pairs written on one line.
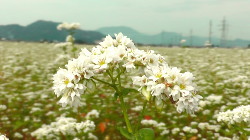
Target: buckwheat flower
[[203, 125], [156, 73], [117, 53], [173, 75], [81, 67], [3, 107], [158, 89], [92, 114], [187, 129], [188, 103], [164, 132], [123, 40], [67, 86], [137, 108], [108, 42], [140, 81], [70, 38], [63, 126], [101, 62], [175, 130], [68, 26], [214, 99], [88, 126], [183, 41], [18, 135], [149, 122], [3, 137], [63, 44], [237, 115], [63, 79], [92, 136], [194, 131], [85, 53], [153, 59]]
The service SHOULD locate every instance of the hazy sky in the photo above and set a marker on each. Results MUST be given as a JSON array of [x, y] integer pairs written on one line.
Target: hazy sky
[[146, 16]]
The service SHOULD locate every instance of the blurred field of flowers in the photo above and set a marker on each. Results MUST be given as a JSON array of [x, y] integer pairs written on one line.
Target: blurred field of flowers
[[28, 103]]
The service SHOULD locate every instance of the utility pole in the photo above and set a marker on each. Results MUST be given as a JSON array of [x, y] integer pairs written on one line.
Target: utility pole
[[224, 30], [191, 38], [210, 32]]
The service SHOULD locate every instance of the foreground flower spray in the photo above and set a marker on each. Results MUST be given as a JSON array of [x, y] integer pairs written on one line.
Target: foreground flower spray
[[115, 58]]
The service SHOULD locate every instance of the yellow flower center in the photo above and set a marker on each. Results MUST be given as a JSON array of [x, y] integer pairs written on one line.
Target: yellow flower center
[[66, 81], [158, 75], [102, 62], [182, 86]]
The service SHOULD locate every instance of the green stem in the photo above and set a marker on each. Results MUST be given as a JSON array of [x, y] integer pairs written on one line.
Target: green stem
[[125, 114], [103, 82], [141, 116]]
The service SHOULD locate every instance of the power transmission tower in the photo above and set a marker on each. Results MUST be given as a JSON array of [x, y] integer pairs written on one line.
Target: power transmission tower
[[191, 38], [224, 31]]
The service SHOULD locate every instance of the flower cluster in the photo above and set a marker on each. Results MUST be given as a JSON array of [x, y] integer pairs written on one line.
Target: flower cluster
[[63, 126], [68, 26], [237, 115], [121, 55]]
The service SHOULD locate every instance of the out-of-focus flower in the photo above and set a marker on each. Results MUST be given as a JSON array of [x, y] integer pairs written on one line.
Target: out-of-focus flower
[[68, 26], [237, 115]]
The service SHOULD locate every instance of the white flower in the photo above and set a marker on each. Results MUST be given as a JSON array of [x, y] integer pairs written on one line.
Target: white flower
[[108, 42], [140, 81], [3, 107], [187, 129], [175, 130], [66, 84], [158, 89], [92, 114], [65, 126], [237, 115], [64, 44], [137, 108], [3, 137], [68, 26], [101, 62], [70, 38]]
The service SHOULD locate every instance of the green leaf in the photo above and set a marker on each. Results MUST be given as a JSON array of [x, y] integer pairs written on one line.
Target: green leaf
[[125, 133], [146, 134]]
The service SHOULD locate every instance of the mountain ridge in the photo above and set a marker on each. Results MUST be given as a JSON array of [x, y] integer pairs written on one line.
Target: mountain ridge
[[43, 30]]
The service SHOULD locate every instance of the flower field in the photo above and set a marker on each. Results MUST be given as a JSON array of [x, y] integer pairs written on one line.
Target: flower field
[[29, 108]]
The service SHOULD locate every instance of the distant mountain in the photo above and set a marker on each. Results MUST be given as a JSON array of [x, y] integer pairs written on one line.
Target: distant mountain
[[45, 30], [137, 36], [167, 38]]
